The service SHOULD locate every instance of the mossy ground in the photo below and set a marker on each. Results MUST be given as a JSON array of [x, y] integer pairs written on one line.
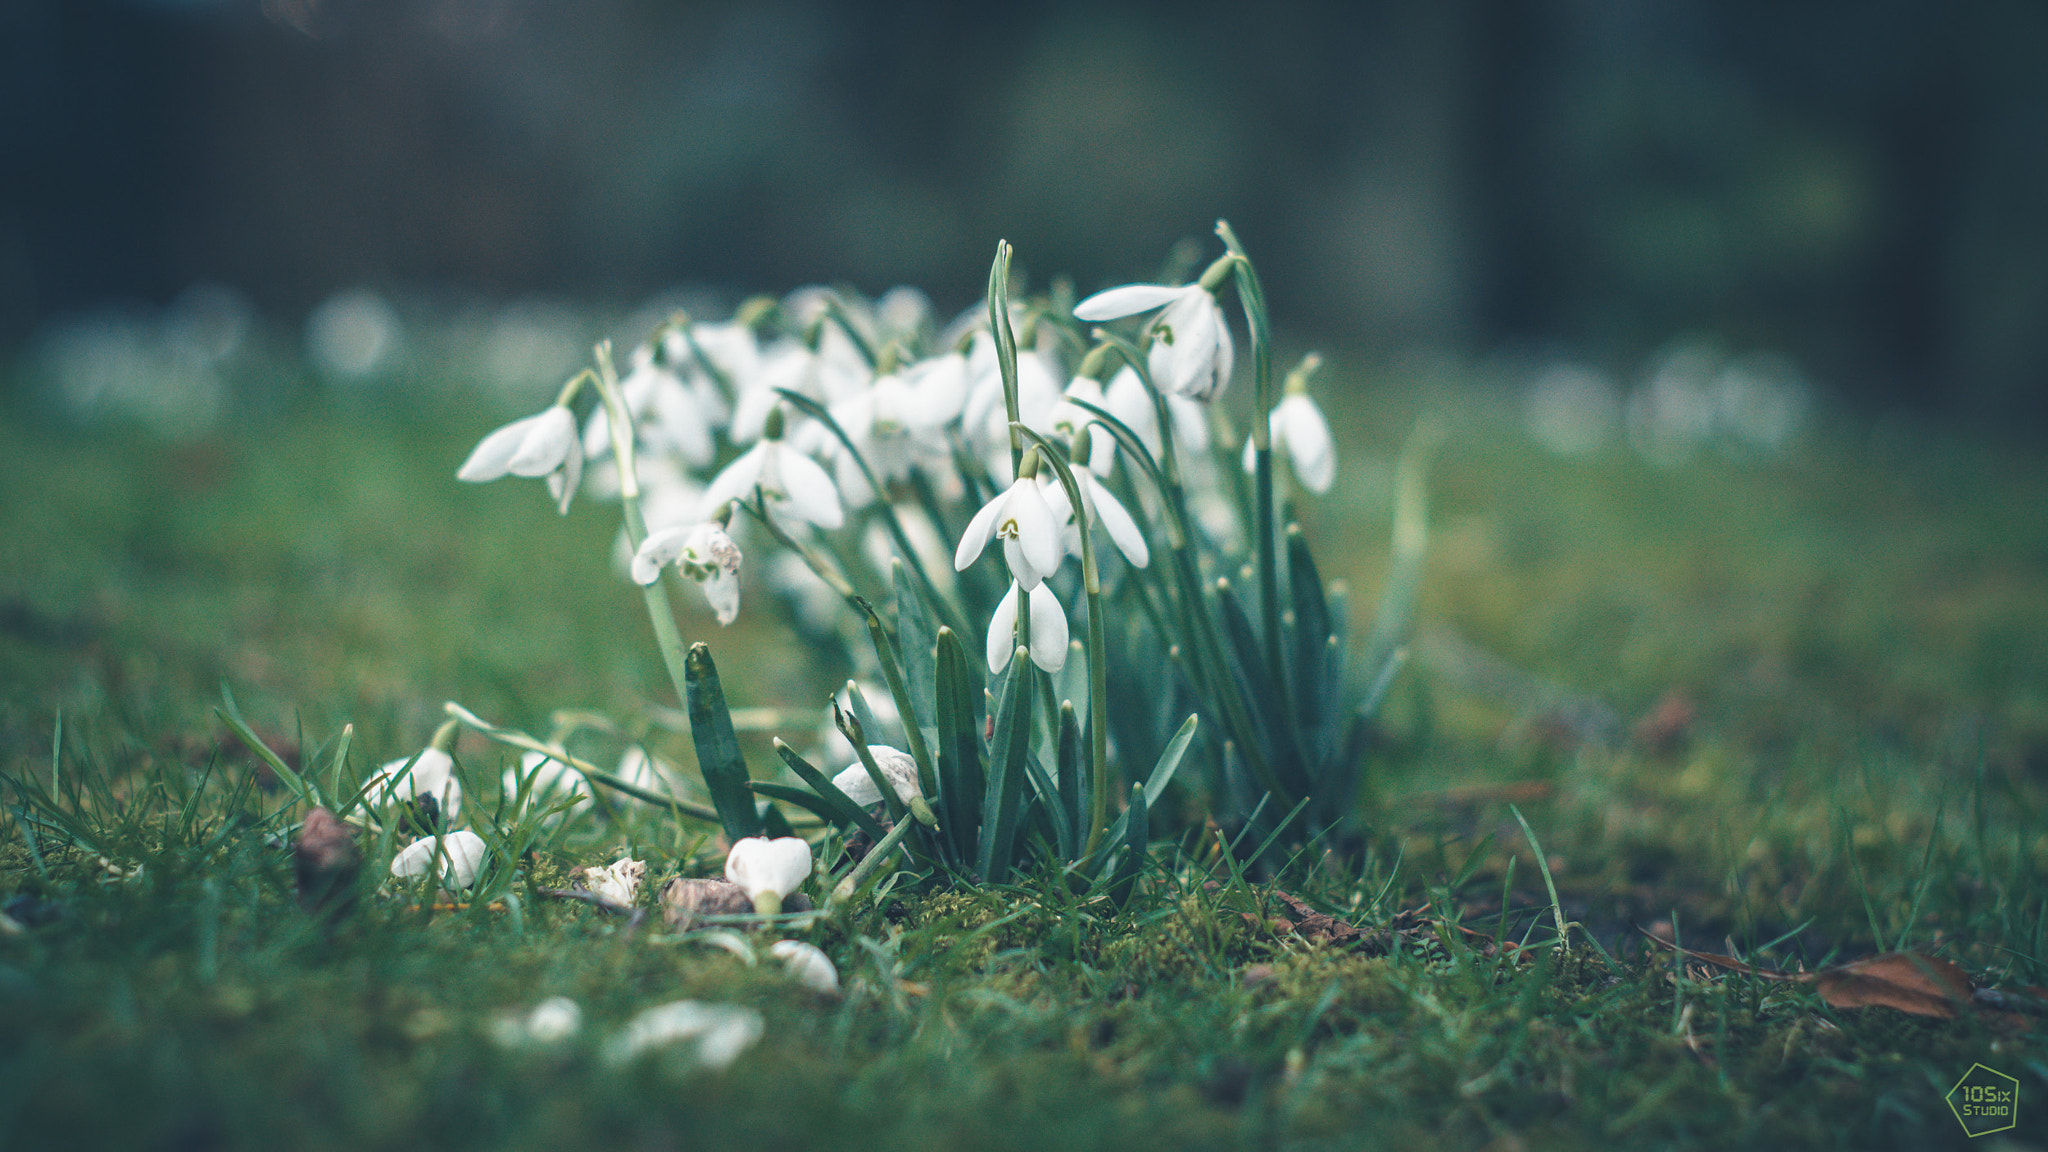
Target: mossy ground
[[1803, 697]]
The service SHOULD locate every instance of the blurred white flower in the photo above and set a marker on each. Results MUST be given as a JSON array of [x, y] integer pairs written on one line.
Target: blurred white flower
[[544, 444], [551, 1021], [1102, 508], [1571, 409], [461, 854], [1298, 428], [1048, 641], [720, 1032], [897, 768], [431, 773], [811, 967], [768, 870], [1020, 517], [1192, 353], [705, 554], [793, 485]]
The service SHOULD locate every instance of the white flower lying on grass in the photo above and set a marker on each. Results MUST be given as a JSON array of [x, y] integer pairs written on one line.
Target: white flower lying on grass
[[618, 882], [768, 870], [544, 444], [703, 553], [430, 774], [551, 1021], [720, 1032], [1192, 353], [811, 967], [460, 855]]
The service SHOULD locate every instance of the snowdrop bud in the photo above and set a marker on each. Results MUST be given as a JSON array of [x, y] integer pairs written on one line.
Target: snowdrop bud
[[811, 967], [461, 856], [768, 870]]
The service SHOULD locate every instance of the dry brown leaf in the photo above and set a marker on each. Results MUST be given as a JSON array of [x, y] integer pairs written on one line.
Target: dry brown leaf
[[1907, 981]]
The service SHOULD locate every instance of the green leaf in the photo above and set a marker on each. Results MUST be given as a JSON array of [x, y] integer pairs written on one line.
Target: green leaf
[[1137, 840], [718, 750], [1169, 761], [959, 751], [1067, 762], [915, 637], [843, 809], [1003, 796]]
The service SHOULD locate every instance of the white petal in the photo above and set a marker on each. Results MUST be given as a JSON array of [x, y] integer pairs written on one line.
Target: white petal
[[461, 856], [737, 480], [1002, 631], [1128, 300], [1300, 423], [811, 494], [493, 454], [978, 531], [563, 481], [858, 785], [1048, 630], [546, 444], [808, 964], [722, 592], [658, 551], [1038, 534], [1123, 530]]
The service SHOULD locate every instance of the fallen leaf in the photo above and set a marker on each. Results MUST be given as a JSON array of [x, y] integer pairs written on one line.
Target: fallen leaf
[[1908, 981]]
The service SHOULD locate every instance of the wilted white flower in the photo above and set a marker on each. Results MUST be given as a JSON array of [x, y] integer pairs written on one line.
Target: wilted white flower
[[544, 444], [808, 964], [461, 854], [618, 882], [704, 553], [552, 1020], [1048, 642], [720, 1032], [1020, 516], [768, 870], [431, 773], [551, 781], [1192, 353], [1298, 428], [897, 768]]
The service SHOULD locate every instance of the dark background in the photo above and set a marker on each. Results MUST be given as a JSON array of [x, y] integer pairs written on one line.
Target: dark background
[[1862, 184]]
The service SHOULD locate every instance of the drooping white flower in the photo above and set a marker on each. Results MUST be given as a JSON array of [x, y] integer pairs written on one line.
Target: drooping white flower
[[794, 485], [768, 870], [551, 782], [542, 445], [1020, 517], [431, 773], [897, 768], [702, 552], [808, 963], [1192, 353], [1048, 641], [460, 854], [1298, 428], [1102, 508], [720, 1032]]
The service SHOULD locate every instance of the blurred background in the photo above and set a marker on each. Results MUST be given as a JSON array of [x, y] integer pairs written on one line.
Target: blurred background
[[1849, 193]]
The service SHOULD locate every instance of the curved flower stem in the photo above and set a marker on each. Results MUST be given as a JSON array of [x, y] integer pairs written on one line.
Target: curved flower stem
[[1098, 647], [620, 421]]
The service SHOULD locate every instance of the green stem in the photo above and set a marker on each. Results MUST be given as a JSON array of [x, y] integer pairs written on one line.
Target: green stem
[[868, 863]]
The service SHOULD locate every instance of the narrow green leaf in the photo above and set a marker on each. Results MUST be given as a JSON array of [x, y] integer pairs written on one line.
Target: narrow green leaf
[[915, 637], [718, 750], [844, 810], [809, 801], [1003, 796], [233, 718], [1169, 761], [1137, 840], [960, 749], [1067, 763]]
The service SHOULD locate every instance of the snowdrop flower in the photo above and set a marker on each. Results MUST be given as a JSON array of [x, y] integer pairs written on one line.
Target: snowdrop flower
[[1019, 516], [618, 882], [791, 483], [544, 444], [551, 1021], [1048, 641], [894, 428], [720, 1032], [768, 870], [897, 768], [1192, 354], [811, 967], [461, 855], [1297, 427], [552, 782], [430, 774], [702, 552]]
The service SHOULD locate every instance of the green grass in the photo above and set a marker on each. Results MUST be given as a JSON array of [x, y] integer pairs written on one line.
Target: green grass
[[1861, 630]]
